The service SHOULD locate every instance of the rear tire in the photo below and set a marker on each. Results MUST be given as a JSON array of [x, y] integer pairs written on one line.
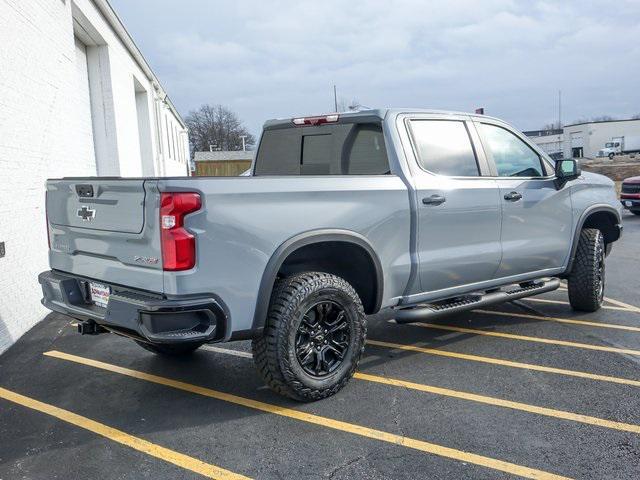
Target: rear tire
[[169, 349], [587, 279], [313, 338]]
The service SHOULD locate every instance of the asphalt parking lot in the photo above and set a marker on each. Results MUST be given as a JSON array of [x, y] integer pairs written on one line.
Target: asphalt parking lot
[[529, 389]]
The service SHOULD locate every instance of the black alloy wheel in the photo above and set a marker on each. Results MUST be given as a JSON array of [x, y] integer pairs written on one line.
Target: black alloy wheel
[[322, 340]]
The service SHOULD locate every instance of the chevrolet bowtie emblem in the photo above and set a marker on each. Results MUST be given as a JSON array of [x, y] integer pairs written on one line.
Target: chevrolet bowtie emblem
[[86, 214]]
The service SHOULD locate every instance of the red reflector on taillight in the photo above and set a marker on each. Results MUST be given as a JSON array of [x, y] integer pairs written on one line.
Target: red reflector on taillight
[[316, 120], [178, 244]]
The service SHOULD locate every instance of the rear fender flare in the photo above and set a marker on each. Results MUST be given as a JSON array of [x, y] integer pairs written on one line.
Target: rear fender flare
[[301, 240]]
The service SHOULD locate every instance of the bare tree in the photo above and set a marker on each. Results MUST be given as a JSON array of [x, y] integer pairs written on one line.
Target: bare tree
[[599, 118], [216, 125], [552, 126], [345, 105], [602, 118]]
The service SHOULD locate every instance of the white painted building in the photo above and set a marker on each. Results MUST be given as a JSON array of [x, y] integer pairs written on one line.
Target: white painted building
[[551, 141], [585, 139], [76, 99]]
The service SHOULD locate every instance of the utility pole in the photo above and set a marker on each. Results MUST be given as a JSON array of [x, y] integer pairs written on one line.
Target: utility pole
[[243, 137], [559, 108], [335, 99]]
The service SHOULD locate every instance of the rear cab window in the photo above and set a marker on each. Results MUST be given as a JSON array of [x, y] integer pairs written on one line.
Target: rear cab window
[[349, 148]]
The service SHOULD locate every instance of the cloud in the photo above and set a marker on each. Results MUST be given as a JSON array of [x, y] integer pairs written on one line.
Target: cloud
[[268, 59]]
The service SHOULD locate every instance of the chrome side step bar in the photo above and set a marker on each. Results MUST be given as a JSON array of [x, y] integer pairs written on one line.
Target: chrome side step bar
[[473, 301]]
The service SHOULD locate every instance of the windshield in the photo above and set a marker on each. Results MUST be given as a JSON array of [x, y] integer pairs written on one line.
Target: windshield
[[609, 145]]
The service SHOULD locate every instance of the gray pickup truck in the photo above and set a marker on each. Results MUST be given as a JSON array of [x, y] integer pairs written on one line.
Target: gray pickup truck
[[425, 213]]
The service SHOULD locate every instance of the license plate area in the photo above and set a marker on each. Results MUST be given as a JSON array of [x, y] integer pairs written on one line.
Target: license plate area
[[99, 294]]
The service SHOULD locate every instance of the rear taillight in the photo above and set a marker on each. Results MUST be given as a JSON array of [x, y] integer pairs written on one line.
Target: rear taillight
[[178, 245]]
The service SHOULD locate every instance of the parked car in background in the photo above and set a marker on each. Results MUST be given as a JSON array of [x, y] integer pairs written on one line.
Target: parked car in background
[[630, 195], [424, 212]]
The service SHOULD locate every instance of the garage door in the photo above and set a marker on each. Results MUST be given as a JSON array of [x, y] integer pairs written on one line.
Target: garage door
[[577, 145], [577, 140]]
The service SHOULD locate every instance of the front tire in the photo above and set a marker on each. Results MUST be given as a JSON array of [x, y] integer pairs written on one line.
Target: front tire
[[587, 279], [611, 155], [313, 338], [170, 350]]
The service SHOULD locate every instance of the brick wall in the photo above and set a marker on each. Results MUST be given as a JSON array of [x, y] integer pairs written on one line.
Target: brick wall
[[46, 131], [38, 118]]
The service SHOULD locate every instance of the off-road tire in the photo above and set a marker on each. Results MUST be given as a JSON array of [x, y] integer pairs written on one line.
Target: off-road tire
[[587, 279], [274, 353], [170, 350]]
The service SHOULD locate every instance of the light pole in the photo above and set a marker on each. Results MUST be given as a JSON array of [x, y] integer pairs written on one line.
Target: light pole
[[243, 137]]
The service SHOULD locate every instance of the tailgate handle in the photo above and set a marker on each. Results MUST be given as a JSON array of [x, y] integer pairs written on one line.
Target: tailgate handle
[[85, 191]]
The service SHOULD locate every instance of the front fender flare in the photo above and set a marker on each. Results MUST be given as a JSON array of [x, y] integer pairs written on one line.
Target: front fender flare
[[581, 221]]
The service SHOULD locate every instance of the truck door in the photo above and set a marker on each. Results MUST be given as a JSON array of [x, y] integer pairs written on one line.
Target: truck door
[[458, 217], [536, 216]]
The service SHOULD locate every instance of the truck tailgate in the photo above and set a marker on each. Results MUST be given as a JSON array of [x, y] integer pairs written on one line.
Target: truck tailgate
[[106, 229], [119, 203]]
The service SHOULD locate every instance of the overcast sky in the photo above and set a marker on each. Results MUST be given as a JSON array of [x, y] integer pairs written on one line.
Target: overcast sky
[[268, 59]]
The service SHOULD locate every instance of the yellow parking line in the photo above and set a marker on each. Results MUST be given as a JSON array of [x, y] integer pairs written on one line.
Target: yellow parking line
[[504, 363], [631, 308], [493, 401], [585, 323], [170, 456], [560, 302], [498, 402], [355, 429], [511, 336]]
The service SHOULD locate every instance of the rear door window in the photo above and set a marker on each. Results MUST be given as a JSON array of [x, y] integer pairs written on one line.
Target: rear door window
[[342, 149], [444, 147]]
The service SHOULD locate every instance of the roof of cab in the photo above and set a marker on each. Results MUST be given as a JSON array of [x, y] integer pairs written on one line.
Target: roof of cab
[[380, 113]]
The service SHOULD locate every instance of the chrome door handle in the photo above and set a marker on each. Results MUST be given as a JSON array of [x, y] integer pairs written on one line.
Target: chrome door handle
[[434, 200], [513, 196]]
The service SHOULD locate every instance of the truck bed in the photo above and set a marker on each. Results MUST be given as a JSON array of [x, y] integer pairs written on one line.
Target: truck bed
[[242, 222]]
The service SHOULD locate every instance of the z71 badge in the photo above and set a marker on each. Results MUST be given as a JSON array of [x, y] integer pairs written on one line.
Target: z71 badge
[[147, 260]]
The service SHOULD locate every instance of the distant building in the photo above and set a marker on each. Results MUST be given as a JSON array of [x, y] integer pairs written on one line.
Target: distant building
[[549, 140], [583, 139], [222, 163]]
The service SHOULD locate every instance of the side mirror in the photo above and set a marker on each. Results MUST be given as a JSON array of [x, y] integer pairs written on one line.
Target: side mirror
[[566, 169]]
